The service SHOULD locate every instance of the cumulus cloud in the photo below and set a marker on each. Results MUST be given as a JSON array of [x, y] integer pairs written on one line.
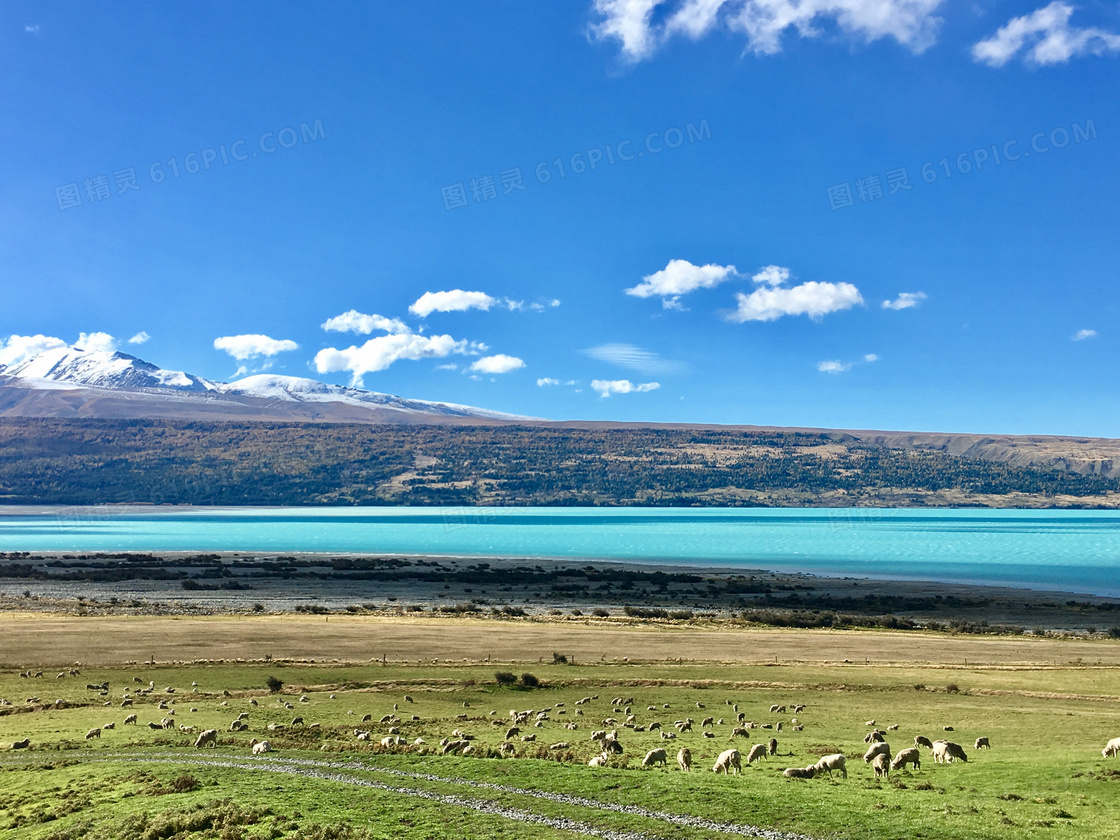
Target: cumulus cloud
[[355, 322], [635, 358], [547, 381], [678, 278], [1081, 335], [500, 363], [140, 338], [1048, 38], [455, 300], [606, 387], [773, 300], [16, 349], [380, 352], [98, 341], [871, 357], [253, 346], [641, 26], [834, 366], [905, 300]]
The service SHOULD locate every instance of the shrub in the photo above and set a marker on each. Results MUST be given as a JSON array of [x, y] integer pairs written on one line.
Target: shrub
[[952, 688], [258, 607], [559, 659], [185, 783], [577, 612], [274, 685], [529, 681], [599, 611], [505, 678]]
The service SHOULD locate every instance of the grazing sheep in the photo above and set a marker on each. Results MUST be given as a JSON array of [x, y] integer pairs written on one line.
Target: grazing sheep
[[126, 704], [870, 723], [740, 732], [208, 736], [893, 727], [875, 735], [772, 746], [910, 755], [945, 752], [775, 708], [260, 747], [611, 745], [882, 765], [110, 725], [597, 761], [881, 748], [800, 772], [728, 761], [94, 733], [684, 759], [156, 726], [757, 751], [708, 722], [130, 719], [982, 744], [922, 741], [560, 745], [529, 737], [835, 761], [361, 736], [21, 745], [684, 726], [1111, 749], [654, 757], [456, 746], [668, 736], [297, 721]]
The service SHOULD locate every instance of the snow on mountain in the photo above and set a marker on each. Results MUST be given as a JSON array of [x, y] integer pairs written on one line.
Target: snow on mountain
[[99, 369], [106, 373]]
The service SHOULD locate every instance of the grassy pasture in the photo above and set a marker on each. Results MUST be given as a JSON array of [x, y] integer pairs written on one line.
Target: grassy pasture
[[1044, 777]]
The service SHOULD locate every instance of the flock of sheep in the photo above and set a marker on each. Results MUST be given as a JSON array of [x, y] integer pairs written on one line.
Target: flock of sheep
[[729, 761]]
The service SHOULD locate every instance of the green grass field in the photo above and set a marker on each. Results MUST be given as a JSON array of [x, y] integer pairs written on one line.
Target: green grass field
[[1044, 776]]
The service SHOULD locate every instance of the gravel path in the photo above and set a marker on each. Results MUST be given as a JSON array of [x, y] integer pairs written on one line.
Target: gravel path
[[328, 770]]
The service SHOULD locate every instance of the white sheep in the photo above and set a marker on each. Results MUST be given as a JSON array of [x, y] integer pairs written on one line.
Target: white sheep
[[758, 751], [1111, 749], [835, 761], [208, 736], [684, 759], [260, 747], [922, 741], [728, 761], [882, 765], [911, 755], [982, 743], [800, 772], [94, 733], [881, 748], [944, 752], [654, 757]]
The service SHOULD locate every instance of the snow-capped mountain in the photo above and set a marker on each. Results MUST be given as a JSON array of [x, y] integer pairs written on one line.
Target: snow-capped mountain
[[69, 381], [100, 369]]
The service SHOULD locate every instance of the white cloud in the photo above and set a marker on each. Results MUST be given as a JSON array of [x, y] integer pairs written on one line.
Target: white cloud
[[905, 300], [454, 301], [771, 275], [1050, 38], [140, 338], [641, 26], [355, 322], [99, 341], [1081, 335], [635, 358], [871, 357], [448, 366], [500, 363], [678, 278], [33, 29], [606, 387], [547, 380], [16, 349], [243, 347], [380, 352], [813, 299], [834, 366]]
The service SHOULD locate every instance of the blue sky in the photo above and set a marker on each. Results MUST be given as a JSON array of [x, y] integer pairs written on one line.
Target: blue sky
[[381, 149]]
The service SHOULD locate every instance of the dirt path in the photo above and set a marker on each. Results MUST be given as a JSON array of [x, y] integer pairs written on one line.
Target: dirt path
[[54, 640]]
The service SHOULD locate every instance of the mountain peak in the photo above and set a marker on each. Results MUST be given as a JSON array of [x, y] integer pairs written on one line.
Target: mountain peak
[[101, 369]]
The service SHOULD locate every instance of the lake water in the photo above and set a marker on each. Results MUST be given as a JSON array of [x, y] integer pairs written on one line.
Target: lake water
[[1074, 551]]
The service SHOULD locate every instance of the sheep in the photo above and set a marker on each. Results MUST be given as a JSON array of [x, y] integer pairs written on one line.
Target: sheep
[[393, 741], [708, 721], [800, 772], [597, 761], [881, 748], [882, 765], [728, 761], [94, 733], [126, 704], [684, 759], [514, 731], [874, 735], [982, 744], [911, 755], [757, 752], [560, 745], [529, 737], [893, 727], [110, 725], [155, 726], [944, 752], [834, 761], [408, 698], [668, 736], [260, 747], [654, 757], [130, 719], [362, 736], [297, 721], [208, 736], [870, 723], [1111, 749], [772, 746], [369, 719], [683, 726], [21, 745], [611, 745], [456, 746], [922, 741], [740, 732]]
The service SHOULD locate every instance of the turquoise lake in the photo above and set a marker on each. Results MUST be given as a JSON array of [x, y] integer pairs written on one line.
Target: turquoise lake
[[1074, 551]]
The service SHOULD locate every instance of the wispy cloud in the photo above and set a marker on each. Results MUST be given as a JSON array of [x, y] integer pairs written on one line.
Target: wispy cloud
[[1050, 37], [548, 381], [641, 26], [834, 366], [606, 387], [355, 322], [635, 358], [1081, 335], [253, 346], [679, 278], [773, 300], [905, 300], [140, 338], [500, 363]]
